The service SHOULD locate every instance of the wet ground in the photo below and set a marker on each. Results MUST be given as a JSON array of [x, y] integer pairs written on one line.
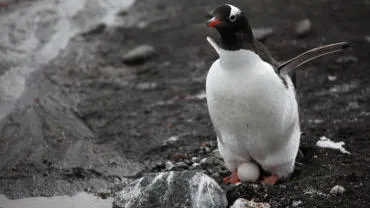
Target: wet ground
[[90, 122]]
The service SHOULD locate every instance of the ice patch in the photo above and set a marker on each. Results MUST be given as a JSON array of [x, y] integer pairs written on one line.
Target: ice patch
[[325, 142]]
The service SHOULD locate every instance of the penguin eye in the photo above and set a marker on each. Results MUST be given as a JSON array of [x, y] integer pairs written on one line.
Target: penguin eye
[[232, 18]]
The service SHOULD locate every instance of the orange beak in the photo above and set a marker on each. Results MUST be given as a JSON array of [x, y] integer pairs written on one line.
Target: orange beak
[[213, 22]]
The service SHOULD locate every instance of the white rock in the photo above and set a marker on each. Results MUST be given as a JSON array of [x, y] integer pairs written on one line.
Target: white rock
[[203, 161], [303, 27], [337, 189], [139, 54], [332, 78], [297, 203], [244, 203], [195, 159]]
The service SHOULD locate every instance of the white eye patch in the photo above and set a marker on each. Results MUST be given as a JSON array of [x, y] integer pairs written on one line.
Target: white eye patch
[[234, 10]]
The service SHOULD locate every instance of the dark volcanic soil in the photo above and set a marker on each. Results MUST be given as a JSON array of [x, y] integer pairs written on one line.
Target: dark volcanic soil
[[121, 119]]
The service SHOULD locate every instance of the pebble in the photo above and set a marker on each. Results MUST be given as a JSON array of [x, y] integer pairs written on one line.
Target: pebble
[[147, 86], [242, 203], [367, 38], [170, 165], [297, 203], [208, 161], [332, 78], [262, 32], [195, 165], [346, 60], [207, 149], [337, 189], [188, 162], [303, 28], [217, 154], [204, 149], [181, 165], [139, 54], [283, 186], [195, 159]]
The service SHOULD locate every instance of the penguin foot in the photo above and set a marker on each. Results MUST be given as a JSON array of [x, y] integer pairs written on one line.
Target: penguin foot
[[272, 180], [233, 178]]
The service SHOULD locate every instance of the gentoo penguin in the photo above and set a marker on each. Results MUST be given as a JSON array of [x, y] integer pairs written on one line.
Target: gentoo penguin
[[251, 100]]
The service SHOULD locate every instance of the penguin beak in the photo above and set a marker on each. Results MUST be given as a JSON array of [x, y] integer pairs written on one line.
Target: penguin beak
[[213, 22]]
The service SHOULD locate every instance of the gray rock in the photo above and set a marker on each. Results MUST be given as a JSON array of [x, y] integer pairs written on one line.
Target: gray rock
[[181, 165], [303, 28], [185, 189], [262, 33], [139, 54], [217, 154]]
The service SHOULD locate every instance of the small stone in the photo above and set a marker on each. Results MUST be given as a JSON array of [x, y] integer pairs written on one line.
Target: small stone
[[303, 28], [203, 161], [297, 203], [346, 60], [215, 175], [146, 86], [242, 203], [181, 165], [195, 165], [339, 190], [117, 180], [217, 154], [176, 156], [283, 186], [262, 32], [208, 161], [142, 25], [139, 54], [188, 161], [170, 165], [96, 29], [207, 149], [195, 159], [367, 38], [332, 78]]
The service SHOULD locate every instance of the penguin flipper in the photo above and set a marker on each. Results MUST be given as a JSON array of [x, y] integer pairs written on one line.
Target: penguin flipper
[[213, 44], [307, 56]]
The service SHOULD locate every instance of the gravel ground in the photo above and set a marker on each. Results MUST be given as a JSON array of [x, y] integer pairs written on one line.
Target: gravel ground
[[153, 114]]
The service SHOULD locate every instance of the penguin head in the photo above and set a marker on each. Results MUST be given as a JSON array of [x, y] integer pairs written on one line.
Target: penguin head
[[231, 23], [227, 19]]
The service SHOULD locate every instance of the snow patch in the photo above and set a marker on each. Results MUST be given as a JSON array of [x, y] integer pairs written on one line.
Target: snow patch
[[325, 142], [79, 200]]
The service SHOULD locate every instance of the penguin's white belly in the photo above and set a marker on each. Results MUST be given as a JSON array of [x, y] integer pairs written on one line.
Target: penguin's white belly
[[255, 116]]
